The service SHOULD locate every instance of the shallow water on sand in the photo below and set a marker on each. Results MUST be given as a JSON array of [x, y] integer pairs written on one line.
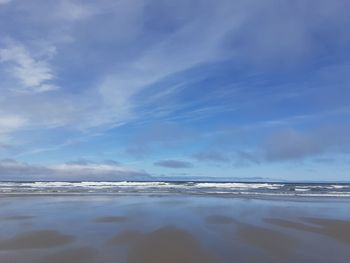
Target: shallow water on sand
[[172, 228]]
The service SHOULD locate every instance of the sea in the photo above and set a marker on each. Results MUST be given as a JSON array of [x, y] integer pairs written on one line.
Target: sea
[[179, 187]]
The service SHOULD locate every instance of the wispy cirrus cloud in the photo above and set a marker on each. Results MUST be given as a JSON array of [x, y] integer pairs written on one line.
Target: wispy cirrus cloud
[[74, 10], [3, 2], [183, 42], [156, 136]]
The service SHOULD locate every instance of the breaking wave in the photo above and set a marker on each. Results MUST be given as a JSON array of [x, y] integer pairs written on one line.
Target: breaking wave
[[224, 188]]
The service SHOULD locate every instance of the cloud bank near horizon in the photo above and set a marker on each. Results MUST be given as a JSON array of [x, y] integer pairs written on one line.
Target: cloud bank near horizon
[[75, 170]]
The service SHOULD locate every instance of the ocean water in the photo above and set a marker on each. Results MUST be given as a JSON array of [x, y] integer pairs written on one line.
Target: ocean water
[[162, 187]]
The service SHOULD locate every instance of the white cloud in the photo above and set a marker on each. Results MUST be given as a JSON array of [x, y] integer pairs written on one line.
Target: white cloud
[[10, 123], [34, 74], [92, 169]]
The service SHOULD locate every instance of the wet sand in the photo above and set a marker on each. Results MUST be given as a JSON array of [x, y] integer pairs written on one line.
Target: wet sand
[[35, 240], [159, 229], [333, 228], [167, 244], [111, 219]]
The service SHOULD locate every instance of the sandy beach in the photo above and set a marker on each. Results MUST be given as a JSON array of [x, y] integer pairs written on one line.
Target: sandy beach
[[172, 228]]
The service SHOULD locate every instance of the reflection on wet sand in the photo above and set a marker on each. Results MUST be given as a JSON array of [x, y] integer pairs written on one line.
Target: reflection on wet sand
[[270, 241], [127, 237], [167, 244], [36, 239], [169, 229], [337, 229]]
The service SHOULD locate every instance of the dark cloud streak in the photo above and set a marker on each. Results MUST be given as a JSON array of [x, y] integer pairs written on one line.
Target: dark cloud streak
[[176, 164], [293, 144]]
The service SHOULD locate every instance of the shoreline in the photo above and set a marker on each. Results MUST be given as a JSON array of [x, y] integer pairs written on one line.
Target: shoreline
[[258, 196]]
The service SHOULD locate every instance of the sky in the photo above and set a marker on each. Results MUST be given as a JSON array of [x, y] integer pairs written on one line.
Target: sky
[[187, 89]]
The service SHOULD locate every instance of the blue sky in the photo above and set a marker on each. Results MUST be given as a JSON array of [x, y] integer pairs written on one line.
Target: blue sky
[[116, 90]]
